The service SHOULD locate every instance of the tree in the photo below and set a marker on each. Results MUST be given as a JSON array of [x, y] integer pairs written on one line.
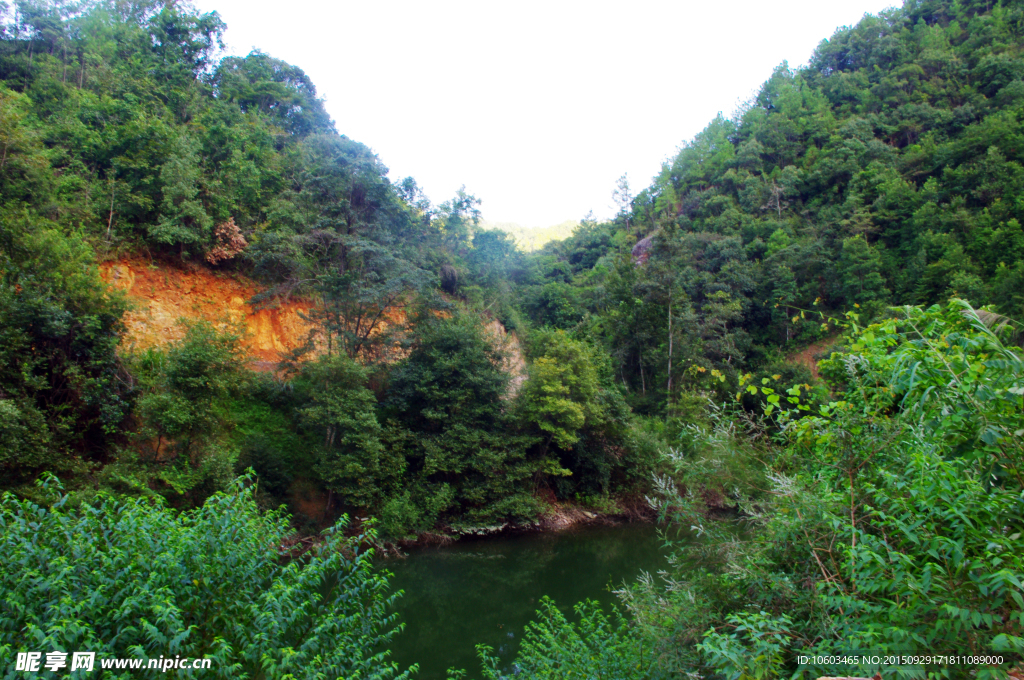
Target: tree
[[183, 218], [281, 91], [351, 461], [561, 395], [63, 390], [360, 311], [458, 219], [463, 453], [181, 430], [623, 198], [860, 272]]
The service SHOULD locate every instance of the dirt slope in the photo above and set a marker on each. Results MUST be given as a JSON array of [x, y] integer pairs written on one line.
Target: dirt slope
[[806, 356], [161, 294]]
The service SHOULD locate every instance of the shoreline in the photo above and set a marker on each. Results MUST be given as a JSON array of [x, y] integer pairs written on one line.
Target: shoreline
[[561, 516]]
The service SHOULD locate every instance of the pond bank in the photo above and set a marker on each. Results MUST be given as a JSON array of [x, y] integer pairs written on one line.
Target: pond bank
[[559, 516]]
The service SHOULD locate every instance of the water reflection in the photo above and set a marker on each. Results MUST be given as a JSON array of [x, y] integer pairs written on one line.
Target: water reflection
[[485, 591]]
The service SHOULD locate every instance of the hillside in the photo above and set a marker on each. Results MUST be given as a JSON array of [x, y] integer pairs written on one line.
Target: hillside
[[213, 303], [886, 171]]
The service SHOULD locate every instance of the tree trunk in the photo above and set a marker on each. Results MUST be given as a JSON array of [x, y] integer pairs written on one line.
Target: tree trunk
[[669, 388], [643, 383], [110, 219]]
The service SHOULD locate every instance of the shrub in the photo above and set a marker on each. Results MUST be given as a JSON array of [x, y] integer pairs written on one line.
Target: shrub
[[131, 578], [599, 646], [182, 435]]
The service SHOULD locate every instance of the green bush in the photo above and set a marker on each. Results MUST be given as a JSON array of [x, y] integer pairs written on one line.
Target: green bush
[[350, 458], [63, 393], [449, 402], [900, 504], [131, 578], [182, 435], [554, 648], [886, 521]]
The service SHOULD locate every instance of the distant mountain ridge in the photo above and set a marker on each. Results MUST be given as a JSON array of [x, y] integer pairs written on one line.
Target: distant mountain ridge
[[533, 238]]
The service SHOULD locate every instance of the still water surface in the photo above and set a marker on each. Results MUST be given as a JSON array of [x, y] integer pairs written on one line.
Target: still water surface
[[486, 590]]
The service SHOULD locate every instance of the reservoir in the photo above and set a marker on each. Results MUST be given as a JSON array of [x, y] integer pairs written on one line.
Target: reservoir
[[484, 591]]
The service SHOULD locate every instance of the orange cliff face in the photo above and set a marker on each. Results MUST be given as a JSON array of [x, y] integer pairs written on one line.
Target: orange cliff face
[[161, 294]]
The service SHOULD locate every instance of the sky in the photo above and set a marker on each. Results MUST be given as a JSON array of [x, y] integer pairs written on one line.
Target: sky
[[537, 108]]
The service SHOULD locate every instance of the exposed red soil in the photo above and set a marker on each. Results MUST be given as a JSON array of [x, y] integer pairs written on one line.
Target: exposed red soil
[[806, 356], [162, 294]]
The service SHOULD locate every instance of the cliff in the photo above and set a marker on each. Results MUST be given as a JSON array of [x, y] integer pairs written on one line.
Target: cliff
[[162, 294]]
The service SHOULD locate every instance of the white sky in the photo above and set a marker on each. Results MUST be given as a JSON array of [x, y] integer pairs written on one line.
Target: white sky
[[536, 107]]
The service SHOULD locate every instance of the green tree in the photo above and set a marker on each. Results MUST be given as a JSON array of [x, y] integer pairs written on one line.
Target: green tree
[[182, 433], [183, 219], [598, 646], [860, 272], [562, 393], [63, 391], [463, 453], [351, 461]]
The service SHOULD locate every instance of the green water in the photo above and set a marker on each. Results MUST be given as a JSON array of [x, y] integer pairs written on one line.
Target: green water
[[486, 590]]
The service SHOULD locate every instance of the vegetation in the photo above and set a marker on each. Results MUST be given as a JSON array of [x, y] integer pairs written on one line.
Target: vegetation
[[878, 185], [123, 132], [886, 522], [128, 578]]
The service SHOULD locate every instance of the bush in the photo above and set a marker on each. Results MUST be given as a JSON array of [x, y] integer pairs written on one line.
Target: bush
[[449, 404], [893, 519], [63, 394], [886, 521], [341, 416], [182, 437], [131, 578], [554, 648]]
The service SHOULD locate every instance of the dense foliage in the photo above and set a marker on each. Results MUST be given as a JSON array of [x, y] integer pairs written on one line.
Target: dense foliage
[[886, 522], [883, 509], [885, 171], [123, 131], [61, 387], [453, 383], [131, 579]]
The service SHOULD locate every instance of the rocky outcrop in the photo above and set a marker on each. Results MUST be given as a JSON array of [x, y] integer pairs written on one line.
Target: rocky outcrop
[[161, 294], [515, 362], [641, 252]]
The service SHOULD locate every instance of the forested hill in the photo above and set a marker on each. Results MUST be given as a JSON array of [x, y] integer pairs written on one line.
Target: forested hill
[[120, 123], [887, 170], [123, 133], [882, 503]]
